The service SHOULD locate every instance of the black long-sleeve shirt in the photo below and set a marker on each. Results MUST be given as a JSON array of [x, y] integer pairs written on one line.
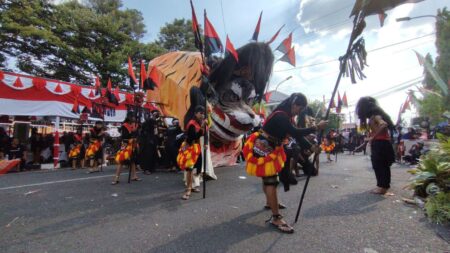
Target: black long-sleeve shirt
[[193, 135], [279, 126], [126, 134]]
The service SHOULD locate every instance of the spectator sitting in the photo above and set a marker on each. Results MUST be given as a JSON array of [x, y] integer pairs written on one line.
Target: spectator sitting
[[17, 151], [4, 143], [410, 135], [414, 153]]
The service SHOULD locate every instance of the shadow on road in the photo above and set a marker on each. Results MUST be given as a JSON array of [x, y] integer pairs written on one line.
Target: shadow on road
[[221, 236], [351, 204]]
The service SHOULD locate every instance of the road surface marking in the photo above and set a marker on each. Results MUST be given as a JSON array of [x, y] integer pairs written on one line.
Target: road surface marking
[[56, 182]]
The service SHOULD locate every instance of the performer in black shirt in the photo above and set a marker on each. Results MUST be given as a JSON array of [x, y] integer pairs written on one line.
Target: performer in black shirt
[[189, 156], [265, 155], [147, 146], [173, 144], [94, 152], [78, 151], [128, 151]]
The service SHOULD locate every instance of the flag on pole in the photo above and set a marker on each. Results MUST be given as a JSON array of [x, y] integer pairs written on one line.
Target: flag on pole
[[406, 105], [267, 96], [112, 98], [143, 74], [333, 105], [339, 104], [76, 108], [275, 36], [382, 16], [289, 57], [285, 44], [212, 40], [257, 28], [133, 80], [196, 30], [97, 86], [153, 79], [230, 49], [109, 85], [344, 100], [432, 71]]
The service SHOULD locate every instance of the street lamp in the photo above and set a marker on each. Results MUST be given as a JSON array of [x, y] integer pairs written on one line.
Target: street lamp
[[423, 16], [278, 85]]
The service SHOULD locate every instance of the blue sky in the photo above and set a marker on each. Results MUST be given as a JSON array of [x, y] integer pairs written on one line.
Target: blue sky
[[321, 30], [321, 34]]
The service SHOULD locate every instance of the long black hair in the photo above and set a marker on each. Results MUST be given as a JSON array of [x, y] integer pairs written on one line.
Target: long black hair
[[368, 107], [197, 99], [258, 57], [295, 98]]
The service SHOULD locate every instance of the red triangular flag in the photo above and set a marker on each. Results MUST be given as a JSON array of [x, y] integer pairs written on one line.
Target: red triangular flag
[[91, 94], [195, 29], [231, 50], [285, 44], [109, 85], [289, 57], [97, 82], [333, 105], [257, 28], [275, 35], [406, 106], [116, 93], [58, 89], [382, 16], [212, 40], [267, 96], [133, 80], [339, 100], [339, 104], [18, 83], [143, 74], [344, 100], [75, 108], [154, 77], [97, 85]]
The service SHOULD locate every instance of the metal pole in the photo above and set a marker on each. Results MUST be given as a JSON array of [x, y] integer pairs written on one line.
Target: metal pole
[[358, 18]]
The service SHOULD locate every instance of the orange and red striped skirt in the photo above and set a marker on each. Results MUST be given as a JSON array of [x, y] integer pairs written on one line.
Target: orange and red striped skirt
[[93, 148], [75, 151], [126, 152], [188, 155], [265, 166]]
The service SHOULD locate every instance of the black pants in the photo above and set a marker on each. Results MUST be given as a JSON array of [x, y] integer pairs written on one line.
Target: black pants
[[382, 158], [147, 158]]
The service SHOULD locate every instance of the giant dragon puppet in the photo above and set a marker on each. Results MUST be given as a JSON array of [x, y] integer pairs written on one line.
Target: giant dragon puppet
[[231, 88]]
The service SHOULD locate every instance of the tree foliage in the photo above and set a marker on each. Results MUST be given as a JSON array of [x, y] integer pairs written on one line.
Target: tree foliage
[[433, 105], [73, 41], [177, 36]]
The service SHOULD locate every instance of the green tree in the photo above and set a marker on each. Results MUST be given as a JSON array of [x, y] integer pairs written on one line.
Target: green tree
[[319, 110], [177, 36], [73, 41], [434, 103]]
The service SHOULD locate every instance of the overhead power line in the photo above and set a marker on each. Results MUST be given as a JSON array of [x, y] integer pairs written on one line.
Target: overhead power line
[[372, 50]]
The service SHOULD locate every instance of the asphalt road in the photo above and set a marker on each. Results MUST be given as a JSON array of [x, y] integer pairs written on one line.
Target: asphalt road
[[71, 211]]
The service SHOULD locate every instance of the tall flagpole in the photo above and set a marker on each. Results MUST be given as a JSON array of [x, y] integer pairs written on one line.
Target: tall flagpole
[[338, 80]]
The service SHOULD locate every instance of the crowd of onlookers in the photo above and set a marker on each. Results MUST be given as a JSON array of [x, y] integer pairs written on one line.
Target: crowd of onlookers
[[409, 145], [39, 147]]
